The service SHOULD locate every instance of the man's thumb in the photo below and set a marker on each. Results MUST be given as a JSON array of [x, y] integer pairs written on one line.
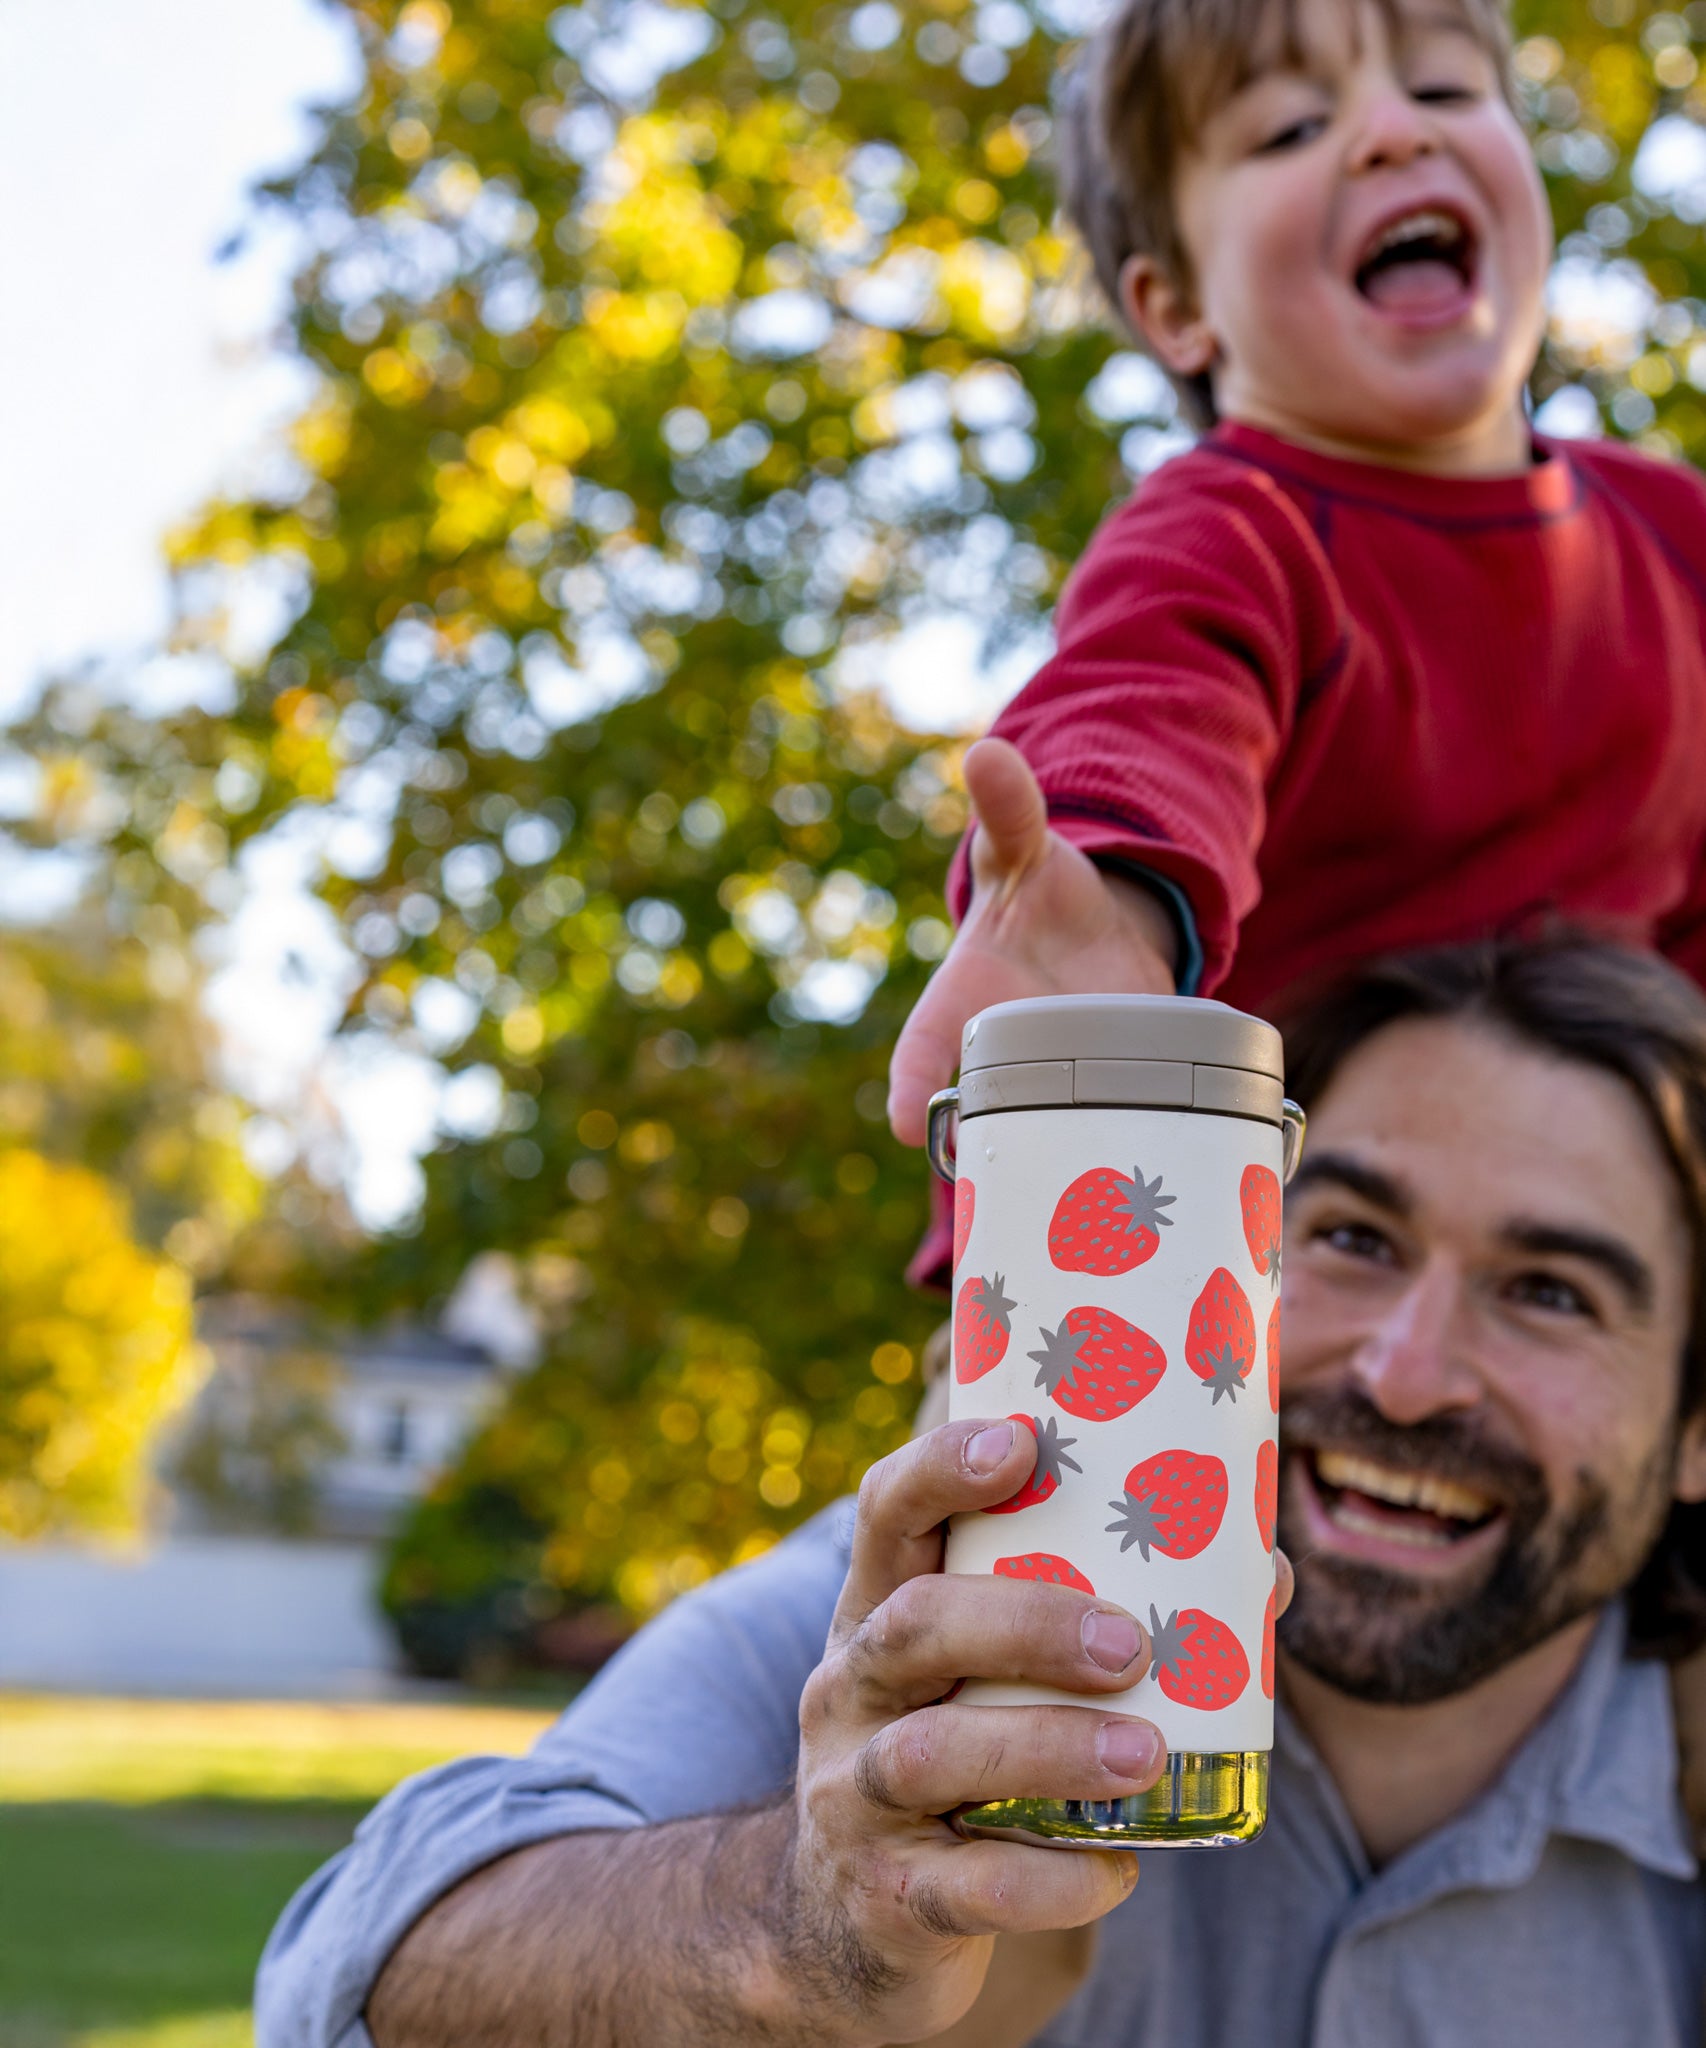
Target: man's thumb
[[1011, 814]]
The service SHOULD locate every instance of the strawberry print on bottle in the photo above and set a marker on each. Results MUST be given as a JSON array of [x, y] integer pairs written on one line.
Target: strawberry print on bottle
[[1273, 1357], [1267, 1491], [965, 1207], [1107, 1222], [1268, 1645], [1044, 1481], [983, 1322], [1044, 1565], [1097, 1365], [1220, 1342], [1259, 1204], [1197, 1661], [1173, 1503]]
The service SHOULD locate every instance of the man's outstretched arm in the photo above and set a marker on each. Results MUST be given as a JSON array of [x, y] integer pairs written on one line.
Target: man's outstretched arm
[[853, 1914], [673, 1935], [521, 1922]]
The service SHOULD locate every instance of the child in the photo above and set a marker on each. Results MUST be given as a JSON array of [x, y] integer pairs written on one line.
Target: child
[[1373, 665]]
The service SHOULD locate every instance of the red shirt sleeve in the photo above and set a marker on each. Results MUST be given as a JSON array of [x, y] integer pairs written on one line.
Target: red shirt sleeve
[[1199, 613]]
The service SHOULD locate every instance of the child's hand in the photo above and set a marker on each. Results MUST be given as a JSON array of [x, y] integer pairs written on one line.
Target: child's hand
[[1044, 921]]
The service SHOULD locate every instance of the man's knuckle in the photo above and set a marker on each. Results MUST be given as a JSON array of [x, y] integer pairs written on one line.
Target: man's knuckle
[[817, 1701], [928, 1902], [873, 1778]]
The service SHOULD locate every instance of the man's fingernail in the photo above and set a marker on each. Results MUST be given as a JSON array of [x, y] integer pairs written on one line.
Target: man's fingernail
[[1111, 1640], [986, 1450], [1130, 1749]]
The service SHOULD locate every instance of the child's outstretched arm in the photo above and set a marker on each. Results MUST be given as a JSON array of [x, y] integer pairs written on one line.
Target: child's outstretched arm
[[1044, 920]]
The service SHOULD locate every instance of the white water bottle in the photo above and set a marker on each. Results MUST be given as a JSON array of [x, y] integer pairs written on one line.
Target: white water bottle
[[1117, 1165]]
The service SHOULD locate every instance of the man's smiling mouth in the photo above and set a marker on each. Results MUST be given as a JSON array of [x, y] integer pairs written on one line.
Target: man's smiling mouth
[[1369, 1502], [1423, 262]]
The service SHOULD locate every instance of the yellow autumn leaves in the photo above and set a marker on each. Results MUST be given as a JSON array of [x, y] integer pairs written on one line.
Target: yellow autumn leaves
[[96, 1346]]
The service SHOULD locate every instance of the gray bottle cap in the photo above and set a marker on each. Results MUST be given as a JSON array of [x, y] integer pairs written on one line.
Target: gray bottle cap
[[1173, 1052]]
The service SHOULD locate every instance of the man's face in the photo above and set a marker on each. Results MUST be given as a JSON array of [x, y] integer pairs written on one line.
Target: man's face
[[1369, 242], [1486, 1303]]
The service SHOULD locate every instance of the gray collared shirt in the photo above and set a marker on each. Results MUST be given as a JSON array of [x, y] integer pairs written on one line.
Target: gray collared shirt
[[1560, 1909]]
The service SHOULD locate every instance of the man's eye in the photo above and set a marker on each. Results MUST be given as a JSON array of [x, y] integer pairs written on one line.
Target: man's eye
[[1293, 136], [1357, 1241], [1550, 1292]]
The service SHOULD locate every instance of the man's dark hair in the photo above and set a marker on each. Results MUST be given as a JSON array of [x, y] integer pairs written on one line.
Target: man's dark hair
[[1134, 102], [1626, 1013]]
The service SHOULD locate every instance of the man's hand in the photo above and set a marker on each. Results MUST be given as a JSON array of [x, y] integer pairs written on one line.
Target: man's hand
[[850, 1912], [1044, 920], [891, 1912]]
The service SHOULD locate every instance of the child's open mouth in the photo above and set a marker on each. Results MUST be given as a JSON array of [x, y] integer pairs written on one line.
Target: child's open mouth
[[1419, 265]]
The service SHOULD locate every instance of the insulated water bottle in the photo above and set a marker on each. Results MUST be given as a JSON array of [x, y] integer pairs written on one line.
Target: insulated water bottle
[[1117, 1164]]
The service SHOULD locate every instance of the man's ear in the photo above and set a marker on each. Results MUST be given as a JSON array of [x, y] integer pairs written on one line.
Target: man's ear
[[1690, 1481], [1167, 317]]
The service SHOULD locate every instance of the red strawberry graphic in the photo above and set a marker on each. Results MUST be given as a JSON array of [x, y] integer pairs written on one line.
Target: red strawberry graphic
[[1273, 1357], [1107, 1222], [1267, 1491], [983, 1321], [1044, 1565], [1197, 1660], [1173, 1503], [965, 1202], [1220, 1343], [1267, 1644], [1097, 1365], [1259, 1200], [1045, 1473]]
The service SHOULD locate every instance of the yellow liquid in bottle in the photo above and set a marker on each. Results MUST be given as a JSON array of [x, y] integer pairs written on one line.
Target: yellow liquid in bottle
[[1204, 1799]]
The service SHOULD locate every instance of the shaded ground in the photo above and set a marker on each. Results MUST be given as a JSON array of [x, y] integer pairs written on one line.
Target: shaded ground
[[146, 1847]]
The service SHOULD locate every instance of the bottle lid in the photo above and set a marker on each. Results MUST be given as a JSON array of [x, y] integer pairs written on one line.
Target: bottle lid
[[1160, 1052]]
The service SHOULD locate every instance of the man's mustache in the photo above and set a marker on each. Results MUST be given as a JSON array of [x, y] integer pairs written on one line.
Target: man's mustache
[[1452, 1446]]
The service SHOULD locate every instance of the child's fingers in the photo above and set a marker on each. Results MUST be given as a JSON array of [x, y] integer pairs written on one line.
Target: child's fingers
[[1011, 813]]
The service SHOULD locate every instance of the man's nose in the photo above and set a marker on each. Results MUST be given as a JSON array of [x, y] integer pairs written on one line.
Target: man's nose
[[1414, 1362], [1392, 132]]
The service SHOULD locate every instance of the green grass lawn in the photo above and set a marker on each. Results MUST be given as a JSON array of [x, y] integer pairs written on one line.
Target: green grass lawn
[[146, 1847]]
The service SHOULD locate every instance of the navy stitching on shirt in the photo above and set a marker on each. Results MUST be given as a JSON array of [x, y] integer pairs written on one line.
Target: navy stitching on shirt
[[1131, 820], [1445, 521], [1607, 489]]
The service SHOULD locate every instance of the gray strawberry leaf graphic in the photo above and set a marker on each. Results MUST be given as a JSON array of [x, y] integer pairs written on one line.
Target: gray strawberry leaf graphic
[[1052, 1448], [1138, 1523], [1226, 1370], [1143, 1202], [988, 1296], [1061, 1356]]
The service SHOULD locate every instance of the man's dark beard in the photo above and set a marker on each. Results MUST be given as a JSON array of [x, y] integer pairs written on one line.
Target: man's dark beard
[[1384, 1637]]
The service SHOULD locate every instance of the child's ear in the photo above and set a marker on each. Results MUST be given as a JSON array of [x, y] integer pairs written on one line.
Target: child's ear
[[1167, 317]]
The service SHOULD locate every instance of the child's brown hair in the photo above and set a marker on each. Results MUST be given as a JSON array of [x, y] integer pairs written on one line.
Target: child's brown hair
[[1138, 95]]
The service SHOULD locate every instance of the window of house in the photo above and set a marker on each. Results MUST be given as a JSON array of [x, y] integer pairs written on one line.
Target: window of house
[[397, 1441]]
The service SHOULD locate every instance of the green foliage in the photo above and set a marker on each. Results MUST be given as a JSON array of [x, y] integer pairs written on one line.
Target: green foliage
[[643, 416]]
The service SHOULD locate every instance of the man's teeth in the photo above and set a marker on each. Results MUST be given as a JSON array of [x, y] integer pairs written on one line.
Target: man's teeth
[[1401, 1489], [1425, 226]]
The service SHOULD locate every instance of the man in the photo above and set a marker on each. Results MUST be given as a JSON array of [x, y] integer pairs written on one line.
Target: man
[[1492, 1434]]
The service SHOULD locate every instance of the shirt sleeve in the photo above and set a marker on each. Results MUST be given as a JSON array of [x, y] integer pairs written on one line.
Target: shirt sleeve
[[697, 1714], [1200, 615]]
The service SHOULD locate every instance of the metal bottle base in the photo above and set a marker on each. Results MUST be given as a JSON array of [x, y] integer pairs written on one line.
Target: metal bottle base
[[1205, 1799]]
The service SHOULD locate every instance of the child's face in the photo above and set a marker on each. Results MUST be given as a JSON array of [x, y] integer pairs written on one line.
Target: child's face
[[1369, 245]]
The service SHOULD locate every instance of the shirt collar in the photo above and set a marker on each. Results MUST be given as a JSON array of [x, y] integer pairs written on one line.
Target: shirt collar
[[1601, 1767]]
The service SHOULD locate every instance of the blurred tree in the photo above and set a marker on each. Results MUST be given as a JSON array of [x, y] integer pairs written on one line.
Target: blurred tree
[[670, 358], [96, 1346], [104, 1059]]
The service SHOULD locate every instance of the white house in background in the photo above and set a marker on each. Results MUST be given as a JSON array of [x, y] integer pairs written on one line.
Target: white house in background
[[404, 1404], [335, 1439]]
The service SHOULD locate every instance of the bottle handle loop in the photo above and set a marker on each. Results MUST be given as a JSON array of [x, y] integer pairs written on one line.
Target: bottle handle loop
[[938, 1149]]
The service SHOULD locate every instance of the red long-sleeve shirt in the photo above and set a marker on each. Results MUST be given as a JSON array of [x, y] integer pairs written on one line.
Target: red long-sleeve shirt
[[1348, 709]]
